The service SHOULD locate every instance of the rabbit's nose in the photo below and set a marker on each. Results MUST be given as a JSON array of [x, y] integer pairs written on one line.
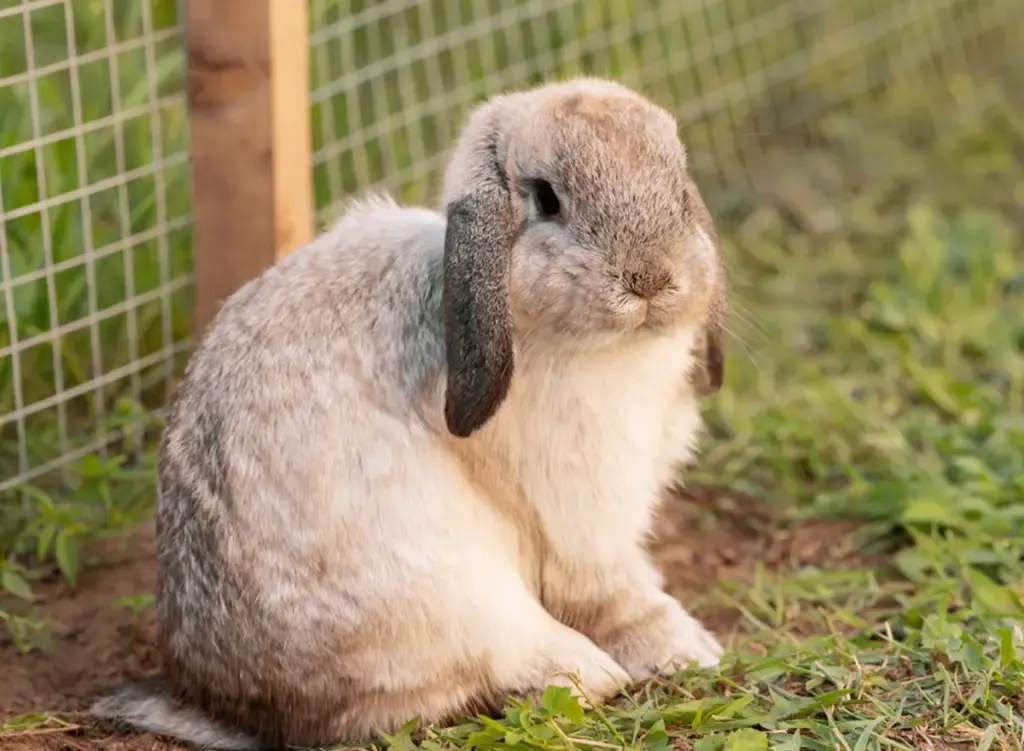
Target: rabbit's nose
[[646, 283]]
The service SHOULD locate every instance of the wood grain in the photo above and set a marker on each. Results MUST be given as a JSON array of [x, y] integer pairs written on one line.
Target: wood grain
[[250, 139]]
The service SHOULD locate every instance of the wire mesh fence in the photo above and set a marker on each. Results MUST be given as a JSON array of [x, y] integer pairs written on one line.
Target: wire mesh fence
[[93, 224], [392, 79], [96, 277]]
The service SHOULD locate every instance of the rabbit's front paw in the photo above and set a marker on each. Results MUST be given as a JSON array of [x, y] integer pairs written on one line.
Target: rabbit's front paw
[[665, 642], [598, 675]]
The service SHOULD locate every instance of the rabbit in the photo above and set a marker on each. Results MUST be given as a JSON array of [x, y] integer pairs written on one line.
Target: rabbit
[[411, 469]]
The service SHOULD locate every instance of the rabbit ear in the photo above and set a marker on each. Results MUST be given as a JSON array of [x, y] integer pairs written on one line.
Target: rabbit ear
[[711, 373], [482, 228]]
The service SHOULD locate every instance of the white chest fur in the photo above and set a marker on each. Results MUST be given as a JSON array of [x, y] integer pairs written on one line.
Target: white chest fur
[[588, 440]]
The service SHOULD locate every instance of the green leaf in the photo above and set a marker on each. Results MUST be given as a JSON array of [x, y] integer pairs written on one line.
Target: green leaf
[[997, 599], [66, 552], [867, 735], [746, 740], [541, 732], [41, 497], [24, 722], [91, 467], [560, 700], [1007, 649], [15, 583], [484, 738], [555, 697], [928, 511], [514, 737], [656, 738], [790, 743], [732, 709], [988, 738], [46, 535], [402, 739], [714, 742]]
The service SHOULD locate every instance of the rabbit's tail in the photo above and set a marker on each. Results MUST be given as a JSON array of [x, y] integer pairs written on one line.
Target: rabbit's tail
[[150, 707]]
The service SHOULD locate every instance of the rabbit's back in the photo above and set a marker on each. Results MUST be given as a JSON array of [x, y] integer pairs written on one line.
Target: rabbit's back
[[310, 386], [301, 494], [362, 301], [312, 377]]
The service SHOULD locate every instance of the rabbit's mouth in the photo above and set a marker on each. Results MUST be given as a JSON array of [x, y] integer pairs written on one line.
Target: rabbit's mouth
[[658, 312]]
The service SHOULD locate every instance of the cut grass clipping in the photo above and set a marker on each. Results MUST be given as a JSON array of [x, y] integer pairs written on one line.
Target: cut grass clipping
[[878, 375]]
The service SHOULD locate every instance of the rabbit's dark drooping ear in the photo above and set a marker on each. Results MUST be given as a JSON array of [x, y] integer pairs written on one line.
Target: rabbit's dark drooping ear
[[477, 319], [711, 367], [710, 371]]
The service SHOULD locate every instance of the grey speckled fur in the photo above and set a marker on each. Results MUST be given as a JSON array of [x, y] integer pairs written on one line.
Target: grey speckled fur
[[411, 469]]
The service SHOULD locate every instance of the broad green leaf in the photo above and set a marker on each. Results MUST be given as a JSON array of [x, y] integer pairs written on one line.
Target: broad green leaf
[[996, 598], [746, 740], [66, 552], [15, 583]]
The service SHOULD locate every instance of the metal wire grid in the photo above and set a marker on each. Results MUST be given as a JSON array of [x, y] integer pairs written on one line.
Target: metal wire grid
[[95, 274], [96, 277], [392, 79]]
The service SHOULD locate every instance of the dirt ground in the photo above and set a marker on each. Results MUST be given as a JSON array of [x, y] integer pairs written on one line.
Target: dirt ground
[[703, 536]]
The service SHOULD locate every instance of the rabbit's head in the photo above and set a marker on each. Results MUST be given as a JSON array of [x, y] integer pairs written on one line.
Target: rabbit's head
[[572, 222]]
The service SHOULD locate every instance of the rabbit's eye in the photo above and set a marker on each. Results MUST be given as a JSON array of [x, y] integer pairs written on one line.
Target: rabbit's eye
[[548, 205]]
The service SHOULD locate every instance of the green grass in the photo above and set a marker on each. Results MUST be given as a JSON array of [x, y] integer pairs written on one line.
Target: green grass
[[876, 373]]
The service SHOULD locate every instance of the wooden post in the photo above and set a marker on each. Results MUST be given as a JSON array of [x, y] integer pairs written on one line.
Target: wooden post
[[252, 184]]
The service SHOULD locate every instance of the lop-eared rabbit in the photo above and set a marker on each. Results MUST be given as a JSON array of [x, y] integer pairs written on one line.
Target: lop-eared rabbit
[[411, 469]]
